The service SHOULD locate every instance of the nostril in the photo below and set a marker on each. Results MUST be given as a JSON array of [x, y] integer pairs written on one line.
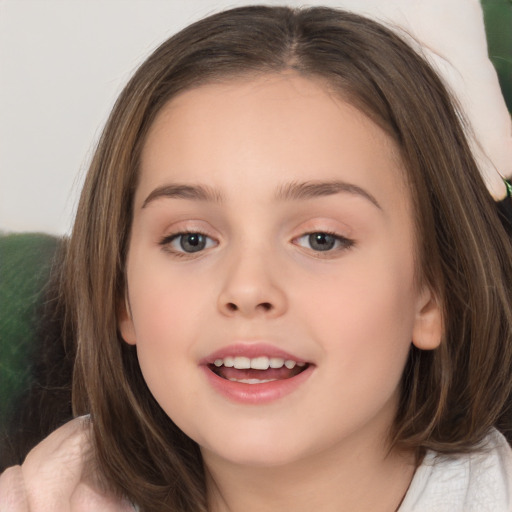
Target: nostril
[[266, 306]]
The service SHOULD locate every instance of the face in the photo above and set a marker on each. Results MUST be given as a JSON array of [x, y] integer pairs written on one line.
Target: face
[[271, 292]]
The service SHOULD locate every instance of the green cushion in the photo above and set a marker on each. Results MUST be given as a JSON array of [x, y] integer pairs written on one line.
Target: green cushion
[[498, 25], [25, 263]]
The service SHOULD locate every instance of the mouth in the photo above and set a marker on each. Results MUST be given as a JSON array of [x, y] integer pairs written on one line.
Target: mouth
[[256, 370], [255, 374]]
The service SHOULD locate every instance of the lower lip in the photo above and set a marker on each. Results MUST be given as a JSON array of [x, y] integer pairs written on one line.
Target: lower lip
[[256, 393]]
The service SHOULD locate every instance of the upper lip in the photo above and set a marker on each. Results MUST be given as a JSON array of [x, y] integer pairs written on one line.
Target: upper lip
[[250, 350]]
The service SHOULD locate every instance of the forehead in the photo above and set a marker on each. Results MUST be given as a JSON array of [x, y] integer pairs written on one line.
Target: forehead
[[279, 126]]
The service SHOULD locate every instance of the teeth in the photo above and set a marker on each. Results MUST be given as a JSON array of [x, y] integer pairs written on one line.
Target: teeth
[[242, 363], [260, 363], [252, 381], [256, 363], [276, 362]]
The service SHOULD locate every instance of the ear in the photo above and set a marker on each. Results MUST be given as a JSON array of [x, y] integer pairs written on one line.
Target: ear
[[428, 324], [125, 321]]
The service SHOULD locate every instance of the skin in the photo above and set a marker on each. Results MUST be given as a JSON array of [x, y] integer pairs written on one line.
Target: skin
[[352, 311]]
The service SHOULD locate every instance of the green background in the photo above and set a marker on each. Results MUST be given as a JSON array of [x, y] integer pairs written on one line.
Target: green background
[[498, 24]]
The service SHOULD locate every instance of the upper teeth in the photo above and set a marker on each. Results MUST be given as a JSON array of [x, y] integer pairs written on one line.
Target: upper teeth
[[257, 363]]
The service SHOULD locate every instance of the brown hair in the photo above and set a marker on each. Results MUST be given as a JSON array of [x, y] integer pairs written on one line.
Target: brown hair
[[451, 396]]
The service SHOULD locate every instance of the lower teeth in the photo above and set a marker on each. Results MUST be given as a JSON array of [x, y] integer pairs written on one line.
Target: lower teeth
[[251, 381]]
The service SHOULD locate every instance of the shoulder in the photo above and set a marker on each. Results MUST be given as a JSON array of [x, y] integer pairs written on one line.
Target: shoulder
[[56, 476], [479, 481]]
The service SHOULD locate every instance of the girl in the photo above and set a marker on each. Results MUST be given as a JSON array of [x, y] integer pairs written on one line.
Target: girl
[[289, 286]]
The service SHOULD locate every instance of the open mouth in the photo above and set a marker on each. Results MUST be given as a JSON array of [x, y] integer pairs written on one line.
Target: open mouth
[[257, 370]]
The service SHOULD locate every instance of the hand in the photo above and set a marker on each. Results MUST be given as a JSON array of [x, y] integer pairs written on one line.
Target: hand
[[55, 476]]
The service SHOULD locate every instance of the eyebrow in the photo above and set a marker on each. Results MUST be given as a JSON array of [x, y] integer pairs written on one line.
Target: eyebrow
[[312, 189], [289, 192], [177, 191]]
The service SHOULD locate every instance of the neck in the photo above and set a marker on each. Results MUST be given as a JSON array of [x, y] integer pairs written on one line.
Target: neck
[[355, 476]]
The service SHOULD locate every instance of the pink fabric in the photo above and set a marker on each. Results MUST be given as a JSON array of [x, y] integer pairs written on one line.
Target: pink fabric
[[55, 477]]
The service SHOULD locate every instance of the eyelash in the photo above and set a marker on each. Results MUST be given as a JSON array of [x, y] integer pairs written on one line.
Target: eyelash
[[343, 243], [167, 241]]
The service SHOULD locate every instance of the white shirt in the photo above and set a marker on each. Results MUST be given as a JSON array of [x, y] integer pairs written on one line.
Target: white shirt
[[474, 482]]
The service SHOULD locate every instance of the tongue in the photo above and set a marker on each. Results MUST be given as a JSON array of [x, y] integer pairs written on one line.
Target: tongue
[[271, 373]]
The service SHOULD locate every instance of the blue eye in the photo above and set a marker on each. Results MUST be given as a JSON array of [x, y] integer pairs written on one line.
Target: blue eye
[[188, 242], [323, 242]]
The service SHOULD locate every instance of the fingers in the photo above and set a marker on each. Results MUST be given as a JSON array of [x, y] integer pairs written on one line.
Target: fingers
[[13, 495], [53, 469]]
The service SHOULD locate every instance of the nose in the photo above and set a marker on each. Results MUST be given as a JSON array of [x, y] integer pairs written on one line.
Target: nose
[[252, 288]]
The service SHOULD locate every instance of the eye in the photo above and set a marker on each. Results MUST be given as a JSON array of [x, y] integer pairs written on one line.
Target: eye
[[323, 242], [188, 242]]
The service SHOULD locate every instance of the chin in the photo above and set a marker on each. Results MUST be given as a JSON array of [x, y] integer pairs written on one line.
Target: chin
[[257, 451]]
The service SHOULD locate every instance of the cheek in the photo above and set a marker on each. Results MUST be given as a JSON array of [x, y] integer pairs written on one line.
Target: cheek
[[165, 303], [168, 315], [166, 326], [365, 317]]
